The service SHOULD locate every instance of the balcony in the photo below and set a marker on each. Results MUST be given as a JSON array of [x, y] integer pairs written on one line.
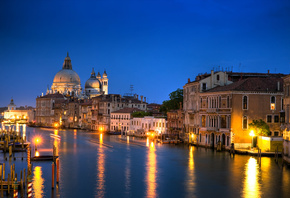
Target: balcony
[[209, 129], [212, 110]]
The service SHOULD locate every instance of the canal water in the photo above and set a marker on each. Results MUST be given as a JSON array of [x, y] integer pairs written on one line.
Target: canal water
[[97, 165]]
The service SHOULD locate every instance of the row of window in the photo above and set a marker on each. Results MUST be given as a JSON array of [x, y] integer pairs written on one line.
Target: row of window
[[214, 102], [269, 120], [121, 117], [272, 103]]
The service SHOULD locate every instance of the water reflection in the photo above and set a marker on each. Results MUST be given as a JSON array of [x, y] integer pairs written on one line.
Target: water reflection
[[128, 172], [37, 182], [100, 169], [56, 143], [252, 187], [151, 171], [191, 173], [24, 131]]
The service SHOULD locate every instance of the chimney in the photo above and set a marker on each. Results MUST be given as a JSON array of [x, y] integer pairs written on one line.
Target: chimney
[[137, 97], [188, 80], [268, 71], [144, 99], [141, 99]]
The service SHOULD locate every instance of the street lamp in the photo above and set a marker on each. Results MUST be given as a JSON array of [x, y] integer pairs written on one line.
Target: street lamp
[[252, 134]]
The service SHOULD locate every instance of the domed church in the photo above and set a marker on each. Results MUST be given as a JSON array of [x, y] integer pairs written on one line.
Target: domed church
[[96, 85], [68, 82]]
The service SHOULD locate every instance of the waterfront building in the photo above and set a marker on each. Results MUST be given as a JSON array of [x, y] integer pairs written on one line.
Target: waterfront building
[[149, 124], [212, 107], [45, 109], [63, 105], [85, 114], [103, 105], [175, 122], [192, 100], [226, 111], [120, 120], [20, 115], [286, 120]]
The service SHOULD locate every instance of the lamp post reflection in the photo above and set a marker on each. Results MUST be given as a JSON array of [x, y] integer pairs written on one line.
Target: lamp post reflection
[[100, 169], [56, 142], [151, 172], [191, 173], [37, 182], [24, 131], [252, 186]]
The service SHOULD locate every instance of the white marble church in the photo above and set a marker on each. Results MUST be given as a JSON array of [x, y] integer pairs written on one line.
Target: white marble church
[[67, 82]]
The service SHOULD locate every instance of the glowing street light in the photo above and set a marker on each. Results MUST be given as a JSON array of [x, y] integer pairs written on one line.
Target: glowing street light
[[252, 134], [36, 141]]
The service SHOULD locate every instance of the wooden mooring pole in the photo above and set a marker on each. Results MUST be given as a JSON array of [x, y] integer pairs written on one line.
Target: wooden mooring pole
[[52, 175]]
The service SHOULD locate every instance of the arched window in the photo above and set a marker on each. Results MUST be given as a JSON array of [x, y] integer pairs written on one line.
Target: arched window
[[245, 102], [273, 103], [245, 122]]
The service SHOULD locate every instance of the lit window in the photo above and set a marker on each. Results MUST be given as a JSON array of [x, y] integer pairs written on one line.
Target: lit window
[[273, 103]]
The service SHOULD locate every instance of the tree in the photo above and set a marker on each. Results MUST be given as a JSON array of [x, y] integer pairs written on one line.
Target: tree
[[141, 114], [176, 97], [260, 127]]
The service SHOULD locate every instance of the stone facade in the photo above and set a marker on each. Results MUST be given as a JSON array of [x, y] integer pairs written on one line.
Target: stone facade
[[140, 126], [103, 105]]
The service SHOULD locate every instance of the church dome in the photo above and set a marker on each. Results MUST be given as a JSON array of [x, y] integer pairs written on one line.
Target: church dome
[[67, 76], [93, 82], [66, 80]]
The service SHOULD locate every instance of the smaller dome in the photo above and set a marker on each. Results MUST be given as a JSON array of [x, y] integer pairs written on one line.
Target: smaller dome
[[93, 82]]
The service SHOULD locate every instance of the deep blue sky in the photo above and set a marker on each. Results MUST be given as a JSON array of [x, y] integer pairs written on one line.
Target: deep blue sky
[[155, 45]]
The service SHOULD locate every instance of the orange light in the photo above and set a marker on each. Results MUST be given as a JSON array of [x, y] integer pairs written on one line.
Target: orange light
[[37, 154], [37, 140], [252, 133]]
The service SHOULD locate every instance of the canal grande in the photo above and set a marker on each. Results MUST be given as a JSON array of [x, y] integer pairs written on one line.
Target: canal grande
[[99, 165]]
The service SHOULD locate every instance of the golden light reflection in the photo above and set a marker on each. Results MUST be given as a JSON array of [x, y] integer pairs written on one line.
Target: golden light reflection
[[75, 134], [56, 143], [252, 187], [147, 142], [151, 172], [128, 139], [101, 170], [37, 182], [17, 127], [24, 131], [101, 139], [191, 173]]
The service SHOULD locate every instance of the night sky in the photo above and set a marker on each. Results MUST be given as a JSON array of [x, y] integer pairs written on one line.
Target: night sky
[[154, 45]]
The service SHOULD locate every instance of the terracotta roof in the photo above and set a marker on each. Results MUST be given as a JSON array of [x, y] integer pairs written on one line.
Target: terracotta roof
[[253, 84], [127, 110]]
